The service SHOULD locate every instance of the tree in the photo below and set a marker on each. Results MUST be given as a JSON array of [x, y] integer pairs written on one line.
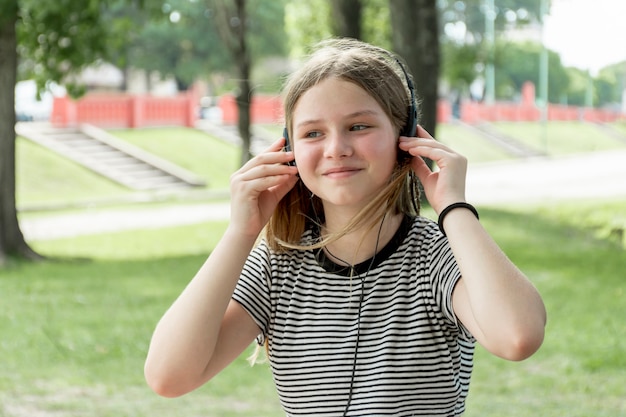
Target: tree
[[347, 18], [231, 22], [471, 15], [610, 84], [463, 33], [519, 62], [11, 238], [415, 38], [51, 40]]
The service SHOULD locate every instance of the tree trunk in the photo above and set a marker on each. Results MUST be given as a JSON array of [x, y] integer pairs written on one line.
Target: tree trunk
[[244, 98], [11, 238], [415, 38], [347, 18], [232, 21]]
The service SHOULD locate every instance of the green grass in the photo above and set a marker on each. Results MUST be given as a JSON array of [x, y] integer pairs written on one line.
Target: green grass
[[204, 155], [560, 138], [620, 127], [579, 371], [475, 148], [45, 178], [75, 331]]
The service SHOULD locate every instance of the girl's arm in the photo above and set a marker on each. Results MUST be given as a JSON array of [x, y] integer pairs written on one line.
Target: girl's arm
[[494, 299], [203, 330]]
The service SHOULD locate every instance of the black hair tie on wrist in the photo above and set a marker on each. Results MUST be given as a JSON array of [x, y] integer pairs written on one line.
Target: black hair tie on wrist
[[451, 207]]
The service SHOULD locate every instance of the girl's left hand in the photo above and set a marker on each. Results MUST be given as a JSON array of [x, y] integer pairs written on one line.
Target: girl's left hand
[[442, 187]]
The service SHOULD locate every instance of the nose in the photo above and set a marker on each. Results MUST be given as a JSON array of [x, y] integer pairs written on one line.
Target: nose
[[337, 145]]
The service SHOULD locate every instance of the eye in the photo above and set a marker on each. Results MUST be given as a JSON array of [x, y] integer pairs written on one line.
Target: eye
[[358, 127], [312, 134]]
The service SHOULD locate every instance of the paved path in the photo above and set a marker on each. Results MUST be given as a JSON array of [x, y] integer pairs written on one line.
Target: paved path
[[592, 175], [93, 221], [597, 175]]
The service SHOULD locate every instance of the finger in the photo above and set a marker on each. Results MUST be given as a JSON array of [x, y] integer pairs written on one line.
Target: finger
[[278, 144], [422, 133], [283, 187], [425, 148], [421, 169], [271, 156]]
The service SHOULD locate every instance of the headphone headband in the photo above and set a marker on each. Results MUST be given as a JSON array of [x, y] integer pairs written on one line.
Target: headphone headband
[[410, 127]]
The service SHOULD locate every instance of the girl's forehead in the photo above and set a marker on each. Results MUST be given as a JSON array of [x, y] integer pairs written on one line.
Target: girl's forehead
[[334, 89], [335, 95]]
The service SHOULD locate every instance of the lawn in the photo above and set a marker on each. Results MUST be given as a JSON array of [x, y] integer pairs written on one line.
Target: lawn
[[560, 138], [75, 329], [45, 179], [198, 152]]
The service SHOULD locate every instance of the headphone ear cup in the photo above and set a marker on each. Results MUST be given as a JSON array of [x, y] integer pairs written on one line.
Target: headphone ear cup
[[287, 143], [411, 122], [287, 147]]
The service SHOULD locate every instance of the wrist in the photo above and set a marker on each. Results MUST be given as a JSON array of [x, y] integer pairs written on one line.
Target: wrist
[[455, 206]]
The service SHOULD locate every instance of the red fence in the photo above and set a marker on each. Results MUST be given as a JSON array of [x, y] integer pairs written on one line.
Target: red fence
[[474, 112], [263, 109], [114, 111]]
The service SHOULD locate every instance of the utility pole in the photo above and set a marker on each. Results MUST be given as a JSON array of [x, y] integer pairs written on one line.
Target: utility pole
[[490, 83], [543, 76]]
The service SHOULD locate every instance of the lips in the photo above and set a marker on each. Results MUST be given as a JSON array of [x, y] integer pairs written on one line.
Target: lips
[[341, 172]]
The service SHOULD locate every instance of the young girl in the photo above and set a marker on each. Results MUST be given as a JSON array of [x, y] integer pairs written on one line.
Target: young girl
[[365, 307]]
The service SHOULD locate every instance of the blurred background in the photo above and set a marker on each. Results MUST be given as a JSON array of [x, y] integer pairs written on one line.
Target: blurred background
[[121, 122]]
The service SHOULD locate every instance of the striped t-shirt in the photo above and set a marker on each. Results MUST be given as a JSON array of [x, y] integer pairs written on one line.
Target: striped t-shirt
[[414, 358]]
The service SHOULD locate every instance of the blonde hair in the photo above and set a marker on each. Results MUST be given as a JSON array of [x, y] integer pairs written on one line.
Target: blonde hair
[[381, 75]]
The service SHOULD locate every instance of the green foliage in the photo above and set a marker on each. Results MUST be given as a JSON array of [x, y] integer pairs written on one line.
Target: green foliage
[[310, 22], [577, 90], [8, 10], [509, 13], [517, 63], [459, 64], [57, 39], [306, 23], [376, 25], [610, 84]]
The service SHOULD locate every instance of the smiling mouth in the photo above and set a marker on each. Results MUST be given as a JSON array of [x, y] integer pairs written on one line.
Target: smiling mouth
[[341, 173]]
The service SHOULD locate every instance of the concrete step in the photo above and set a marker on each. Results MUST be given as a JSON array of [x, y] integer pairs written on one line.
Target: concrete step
[[507, 143], [109, 156]]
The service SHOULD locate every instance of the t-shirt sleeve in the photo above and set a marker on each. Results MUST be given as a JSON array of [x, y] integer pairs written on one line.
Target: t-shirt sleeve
[[445, 274], [253, 291]]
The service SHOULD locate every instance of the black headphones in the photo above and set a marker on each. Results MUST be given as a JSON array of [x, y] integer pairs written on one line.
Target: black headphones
[[410, 127], [407, 130]]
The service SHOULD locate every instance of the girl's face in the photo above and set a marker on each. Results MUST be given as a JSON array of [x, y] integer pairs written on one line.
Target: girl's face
[[344, 144]]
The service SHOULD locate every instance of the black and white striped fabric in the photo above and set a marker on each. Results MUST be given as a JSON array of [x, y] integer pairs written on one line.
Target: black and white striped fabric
[[413, 357]]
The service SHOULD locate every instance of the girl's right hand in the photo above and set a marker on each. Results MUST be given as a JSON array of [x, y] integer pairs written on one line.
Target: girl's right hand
[[258, 186]]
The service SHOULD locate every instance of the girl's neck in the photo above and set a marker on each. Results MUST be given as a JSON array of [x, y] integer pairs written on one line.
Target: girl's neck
[[361, 244]]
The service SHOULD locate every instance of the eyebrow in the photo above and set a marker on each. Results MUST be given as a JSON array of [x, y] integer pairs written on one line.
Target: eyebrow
[[347, 116]]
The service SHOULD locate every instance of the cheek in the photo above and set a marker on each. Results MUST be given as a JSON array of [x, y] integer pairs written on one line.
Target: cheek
[[305, 161], [385, 152]]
